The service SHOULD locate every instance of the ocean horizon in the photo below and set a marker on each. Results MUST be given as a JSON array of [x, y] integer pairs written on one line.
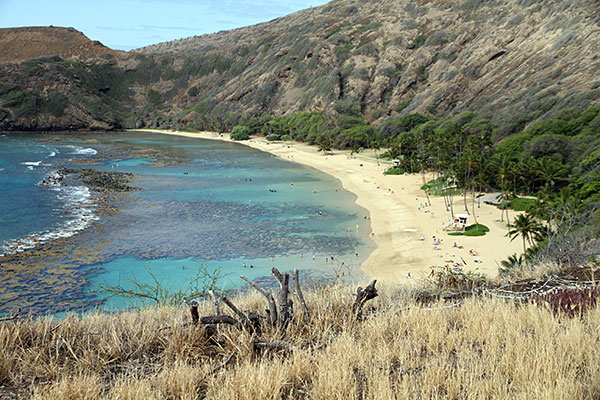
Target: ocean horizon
[[223, 206]]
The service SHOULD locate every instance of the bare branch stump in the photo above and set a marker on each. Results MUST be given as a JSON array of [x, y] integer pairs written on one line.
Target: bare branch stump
[[216, 302], [219, 319], [193, 305], [243, 317], [362, 296], [270, 300], [14, 315], [296, 282], [285, 311]]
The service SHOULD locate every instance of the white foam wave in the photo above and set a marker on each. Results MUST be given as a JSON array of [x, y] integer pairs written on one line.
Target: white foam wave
[[83, 150], [32, 163], [80, 207]]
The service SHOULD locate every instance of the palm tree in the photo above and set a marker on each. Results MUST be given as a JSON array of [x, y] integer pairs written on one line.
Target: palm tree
[[512, 262], [549, 171], [526, 226], [504, 197]]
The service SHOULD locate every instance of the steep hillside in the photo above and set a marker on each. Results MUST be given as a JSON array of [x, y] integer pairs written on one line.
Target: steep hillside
[[20, 44], [44, 83], [511, 62]]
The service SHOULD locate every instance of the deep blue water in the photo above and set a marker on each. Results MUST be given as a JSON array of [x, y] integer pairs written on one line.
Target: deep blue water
[[201, 202]]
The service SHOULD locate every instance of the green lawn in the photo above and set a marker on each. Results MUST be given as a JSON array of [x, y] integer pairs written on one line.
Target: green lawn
[[437, 187], [472, 230]]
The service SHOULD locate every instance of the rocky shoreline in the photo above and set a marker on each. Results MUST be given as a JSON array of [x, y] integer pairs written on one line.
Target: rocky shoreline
[[51, 271], [102, 180]]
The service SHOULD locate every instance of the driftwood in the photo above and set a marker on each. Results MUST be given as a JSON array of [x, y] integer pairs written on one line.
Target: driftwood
[[296, 282], [282, 312], [193, 306], [279, 314], [270, 300], [243, 317], [219, 319], [12, 316], [285, 304], [216, 302], [362, 296]]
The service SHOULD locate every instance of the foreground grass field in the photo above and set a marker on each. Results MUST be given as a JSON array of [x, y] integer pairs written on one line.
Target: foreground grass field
[[481, 348]]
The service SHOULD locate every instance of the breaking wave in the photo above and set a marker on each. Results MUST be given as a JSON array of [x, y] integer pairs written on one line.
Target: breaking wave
[[78, 206]]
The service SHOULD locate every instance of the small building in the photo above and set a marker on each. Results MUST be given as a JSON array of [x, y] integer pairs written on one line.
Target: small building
[[461, 219], [395, 163]]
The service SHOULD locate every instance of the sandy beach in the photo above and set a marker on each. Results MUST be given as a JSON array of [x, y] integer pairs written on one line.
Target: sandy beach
[[403, 226]]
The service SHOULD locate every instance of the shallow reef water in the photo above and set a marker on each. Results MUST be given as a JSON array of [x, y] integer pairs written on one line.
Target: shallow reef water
[[222, 205]]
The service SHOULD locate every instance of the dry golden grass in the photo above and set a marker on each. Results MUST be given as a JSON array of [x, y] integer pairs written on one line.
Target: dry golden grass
[[485, 348]]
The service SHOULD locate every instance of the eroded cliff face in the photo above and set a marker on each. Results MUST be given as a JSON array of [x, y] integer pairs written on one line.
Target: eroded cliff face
[[510, 61], [507, 57]]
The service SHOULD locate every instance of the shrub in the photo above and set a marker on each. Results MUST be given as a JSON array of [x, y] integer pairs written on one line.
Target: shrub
[[522, 204], [193, 91], [571, 302], [369, 50], [240, 132], [403, 105], [55, 104], [159, 291], [419, 41], [395, 171], [343, 51], [23, 102]]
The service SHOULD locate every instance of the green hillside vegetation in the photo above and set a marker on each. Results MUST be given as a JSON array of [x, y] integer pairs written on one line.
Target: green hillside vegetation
[[554, 159]]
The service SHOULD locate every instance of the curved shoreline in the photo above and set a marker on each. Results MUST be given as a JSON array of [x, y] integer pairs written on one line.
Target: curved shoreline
[[398, 218]]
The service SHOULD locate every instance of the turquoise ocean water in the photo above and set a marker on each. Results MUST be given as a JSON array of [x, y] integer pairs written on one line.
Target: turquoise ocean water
[[222, 205]]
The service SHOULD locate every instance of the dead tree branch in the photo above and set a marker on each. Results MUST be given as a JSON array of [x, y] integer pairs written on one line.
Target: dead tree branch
[[12, 316], [362, 296], [285, 305], [216, 302], [270, 300], [222, 365], [296, 281], [219, 319], [193, 305], [243, 317]]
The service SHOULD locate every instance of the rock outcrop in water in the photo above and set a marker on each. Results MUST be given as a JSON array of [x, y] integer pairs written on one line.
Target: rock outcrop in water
[[103, 180]]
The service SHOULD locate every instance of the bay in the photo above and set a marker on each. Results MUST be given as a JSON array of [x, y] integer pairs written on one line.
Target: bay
[[219, 205]]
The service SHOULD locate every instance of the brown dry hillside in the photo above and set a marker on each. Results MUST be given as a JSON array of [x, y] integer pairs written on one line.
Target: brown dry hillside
[[20, 44], [510, 57], [510, 62]]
